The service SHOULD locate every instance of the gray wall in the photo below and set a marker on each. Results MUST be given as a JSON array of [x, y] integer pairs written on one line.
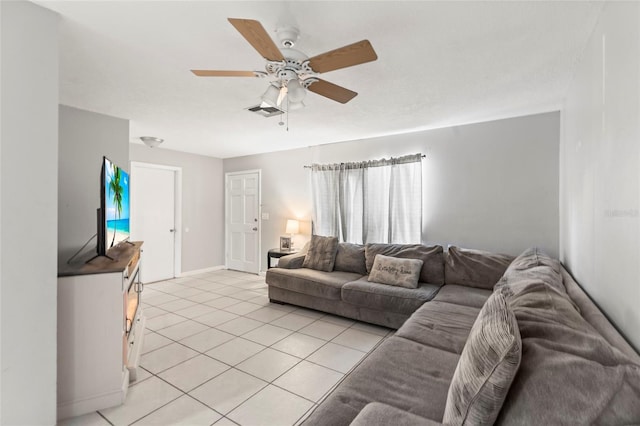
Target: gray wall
[[202, 204], [28, 199], [491, 185], [85, 137], [600, 169]]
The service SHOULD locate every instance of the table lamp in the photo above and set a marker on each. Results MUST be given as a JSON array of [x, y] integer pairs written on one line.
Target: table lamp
[[293, 227]]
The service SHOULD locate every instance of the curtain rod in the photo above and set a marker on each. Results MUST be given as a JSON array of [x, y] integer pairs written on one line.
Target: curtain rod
[[390, 159]]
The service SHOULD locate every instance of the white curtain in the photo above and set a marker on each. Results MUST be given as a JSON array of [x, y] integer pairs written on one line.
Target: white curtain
[[369, 202]]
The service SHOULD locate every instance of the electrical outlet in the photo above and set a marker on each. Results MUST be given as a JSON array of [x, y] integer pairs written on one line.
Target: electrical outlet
[[265, 216]]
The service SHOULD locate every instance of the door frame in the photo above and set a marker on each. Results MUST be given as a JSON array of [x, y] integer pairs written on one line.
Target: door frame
[[177, 210], [226, 215]]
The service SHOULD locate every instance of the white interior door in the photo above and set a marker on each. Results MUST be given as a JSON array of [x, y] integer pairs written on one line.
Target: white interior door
[[243, 221], [153, 207]]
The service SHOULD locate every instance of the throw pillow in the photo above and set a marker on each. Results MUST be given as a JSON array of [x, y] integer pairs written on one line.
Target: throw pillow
[[432, 258], [487, 366], [474, 268], [322, 253], [395, 271], [350, 258]]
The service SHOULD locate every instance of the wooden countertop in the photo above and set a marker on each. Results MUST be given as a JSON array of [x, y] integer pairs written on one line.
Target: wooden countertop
[[121, 254]]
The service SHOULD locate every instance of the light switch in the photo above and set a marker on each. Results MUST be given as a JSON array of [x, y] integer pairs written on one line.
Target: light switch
[[265, 216]]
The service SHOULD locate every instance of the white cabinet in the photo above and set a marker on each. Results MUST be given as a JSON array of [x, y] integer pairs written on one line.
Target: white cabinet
[[100, 330]]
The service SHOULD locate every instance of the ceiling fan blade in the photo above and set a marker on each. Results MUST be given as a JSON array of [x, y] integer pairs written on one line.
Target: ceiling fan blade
[[255, 34], [332, 91], [347, 56], [220, 73]]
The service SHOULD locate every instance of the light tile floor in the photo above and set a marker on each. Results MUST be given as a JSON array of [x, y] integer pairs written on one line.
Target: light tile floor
[[216, 351]]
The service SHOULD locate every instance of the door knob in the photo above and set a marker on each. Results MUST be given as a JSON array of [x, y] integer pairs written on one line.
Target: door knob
[[255, 228], [172, 230]]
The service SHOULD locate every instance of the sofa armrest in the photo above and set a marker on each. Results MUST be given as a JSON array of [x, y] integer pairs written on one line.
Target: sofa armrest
[[377, 413], [292, 261]]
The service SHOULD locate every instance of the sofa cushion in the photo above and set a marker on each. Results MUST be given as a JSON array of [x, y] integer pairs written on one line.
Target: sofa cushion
[[376, 413], [518, 278], [326, 285], [567, 366], [321, 255], [350, 258], [463, 295], [487, 366], [384, 297], [441, 325], [432, 258], [395, 271], [401, 373], [474, 268]]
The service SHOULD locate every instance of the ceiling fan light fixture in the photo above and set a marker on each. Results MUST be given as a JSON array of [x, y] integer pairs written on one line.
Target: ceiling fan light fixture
[[295, 91], [294, 106], [271, 96]]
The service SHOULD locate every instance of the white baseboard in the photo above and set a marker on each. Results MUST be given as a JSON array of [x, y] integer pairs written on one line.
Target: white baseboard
[[201, 271], [95, 402]]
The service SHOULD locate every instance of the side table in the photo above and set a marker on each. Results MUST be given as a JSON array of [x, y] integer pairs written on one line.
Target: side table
[[276, 253]]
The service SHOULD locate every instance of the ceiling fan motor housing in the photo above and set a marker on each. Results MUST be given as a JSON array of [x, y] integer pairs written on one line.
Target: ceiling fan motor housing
[[288, 36], [294, 66]]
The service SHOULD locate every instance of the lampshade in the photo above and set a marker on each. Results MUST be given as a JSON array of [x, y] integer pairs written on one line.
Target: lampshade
[[271, 95], [294, 106], [293, 226], [295, 91]]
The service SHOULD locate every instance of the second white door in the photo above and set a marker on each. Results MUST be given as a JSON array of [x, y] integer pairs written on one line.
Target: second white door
[[153, 219], [242, 221]]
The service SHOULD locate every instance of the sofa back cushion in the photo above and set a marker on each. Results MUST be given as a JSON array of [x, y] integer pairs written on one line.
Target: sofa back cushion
[[432, 271], [487, 366], [395, 271], [533, 266], [322, 253], [350, 258], [533, 257], [474, 268]]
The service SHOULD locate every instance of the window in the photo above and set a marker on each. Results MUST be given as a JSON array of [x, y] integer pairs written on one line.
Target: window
[[369, 202]]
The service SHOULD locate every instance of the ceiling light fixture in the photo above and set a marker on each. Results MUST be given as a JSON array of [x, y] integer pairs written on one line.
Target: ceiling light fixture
[[151, 141]]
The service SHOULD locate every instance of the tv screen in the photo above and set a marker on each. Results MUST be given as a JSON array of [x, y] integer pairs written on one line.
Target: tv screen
[[115, 204]]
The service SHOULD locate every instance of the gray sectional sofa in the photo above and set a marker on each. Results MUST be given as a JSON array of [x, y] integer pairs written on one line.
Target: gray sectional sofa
[[345, 290], [567, 364]]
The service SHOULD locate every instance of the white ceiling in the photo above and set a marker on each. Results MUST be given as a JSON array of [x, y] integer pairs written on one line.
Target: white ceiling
[[439, 64]]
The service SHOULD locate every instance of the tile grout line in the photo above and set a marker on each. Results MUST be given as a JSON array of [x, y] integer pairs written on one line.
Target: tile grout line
[[286, 312], [270, 346], [265, 347]]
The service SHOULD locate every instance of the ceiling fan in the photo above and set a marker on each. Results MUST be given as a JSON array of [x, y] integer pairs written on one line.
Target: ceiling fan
[[294, 73]]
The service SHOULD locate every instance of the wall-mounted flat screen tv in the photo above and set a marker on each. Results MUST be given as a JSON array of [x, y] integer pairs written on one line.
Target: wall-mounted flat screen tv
[[113, 216]]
